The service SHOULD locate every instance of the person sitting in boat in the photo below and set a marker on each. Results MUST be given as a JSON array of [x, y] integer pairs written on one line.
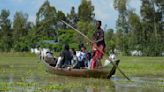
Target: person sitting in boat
[[98, 46], [50, 59], [89, 56], [65, 58], [74, 61], [81, 57]]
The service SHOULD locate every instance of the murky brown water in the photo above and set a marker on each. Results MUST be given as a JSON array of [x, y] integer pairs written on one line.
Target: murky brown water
[[32, 77]]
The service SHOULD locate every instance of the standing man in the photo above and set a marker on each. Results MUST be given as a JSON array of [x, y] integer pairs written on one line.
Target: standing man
[[98, 46]]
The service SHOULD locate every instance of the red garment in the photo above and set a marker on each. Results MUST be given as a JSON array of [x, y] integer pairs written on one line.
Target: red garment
[[98, 47], [96, 55]]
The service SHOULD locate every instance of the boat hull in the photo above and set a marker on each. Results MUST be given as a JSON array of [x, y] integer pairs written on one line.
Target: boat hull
[[88, 73]]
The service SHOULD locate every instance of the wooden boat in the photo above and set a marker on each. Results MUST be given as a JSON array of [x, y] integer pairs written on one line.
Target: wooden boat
[[88, 73]]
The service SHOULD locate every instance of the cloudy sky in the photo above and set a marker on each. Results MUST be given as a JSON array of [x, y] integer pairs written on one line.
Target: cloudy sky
[[103, 8]]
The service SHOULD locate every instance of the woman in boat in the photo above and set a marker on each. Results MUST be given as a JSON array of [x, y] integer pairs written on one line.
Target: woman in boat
[[74, 61], [98, 45], [65, 58]]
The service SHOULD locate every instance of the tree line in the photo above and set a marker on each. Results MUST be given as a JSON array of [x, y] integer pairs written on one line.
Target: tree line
[[144, 32], [133, 32]]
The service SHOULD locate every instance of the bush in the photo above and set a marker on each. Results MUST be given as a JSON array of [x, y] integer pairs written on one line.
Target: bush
[[74, 45], [56, 47]]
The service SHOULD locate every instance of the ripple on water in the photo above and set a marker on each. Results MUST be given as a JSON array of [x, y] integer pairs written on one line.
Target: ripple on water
[[139, 84]]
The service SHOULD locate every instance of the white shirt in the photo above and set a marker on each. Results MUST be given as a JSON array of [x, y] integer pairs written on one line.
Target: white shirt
[[81, 56]]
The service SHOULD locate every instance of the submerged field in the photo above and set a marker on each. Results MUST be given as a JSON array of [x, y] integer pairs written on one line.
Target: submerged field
[[23, 72], [143, 66]]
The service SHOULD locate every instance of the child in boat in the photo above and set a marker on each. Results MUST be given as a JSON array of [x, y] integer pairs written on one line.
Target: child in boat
[[82, 57], [65, 58]]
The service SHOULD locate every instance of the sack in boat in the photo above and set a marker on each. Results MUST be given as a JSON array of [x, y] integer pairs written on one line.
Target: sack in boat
[[107, 62], [112, 58]]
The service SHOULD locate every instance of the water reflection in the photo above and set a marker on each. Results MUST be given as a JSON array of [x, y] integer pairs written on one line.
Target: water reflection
[[140, 84]]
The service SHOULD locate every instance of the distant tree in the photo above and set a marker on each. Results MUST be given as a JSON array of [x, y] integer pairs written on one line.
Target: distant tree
[[135, 33], [46, 21], [87, 28], [31, 40], [61, 16], [122, 25], [66, 36], [85, 11], [160, 22], [72, 17], [121, 7], [110, 40], [86, 21], [21, 27], [5, 25], [0, 33], [150, 29]]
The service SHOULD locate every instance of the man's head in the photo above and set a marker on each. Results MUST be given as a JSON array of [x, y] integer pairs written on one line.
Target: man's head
[[66, 46], [81, 45], [98, 24], [83, 48]]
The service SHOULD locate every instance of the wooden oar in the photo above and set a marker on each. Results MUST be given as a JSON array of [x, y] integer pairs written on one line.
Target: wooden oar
[[96, 48]]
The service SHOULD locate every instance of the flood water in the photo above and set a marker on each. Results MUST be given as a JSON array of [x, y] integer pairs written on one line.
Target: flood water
[[33, 78]]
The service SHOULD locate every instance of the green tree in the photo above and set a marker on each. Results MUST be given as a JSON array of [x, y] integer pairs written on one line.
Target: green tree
[[20, 25], [87, 28], [160, 22], [85, 11], [5, 25], [66, 36], [31, 38], [135, 33], [46, 21], [122, 25], [151, 28], [61, 16], [72, 17], [110, 40], [86, 21], [20, 31]]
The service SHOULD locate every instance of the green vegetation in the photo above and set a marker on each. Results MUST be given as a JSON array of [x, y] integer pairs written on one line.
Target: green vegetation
[[144, 33], [142, 66], [23, 71]]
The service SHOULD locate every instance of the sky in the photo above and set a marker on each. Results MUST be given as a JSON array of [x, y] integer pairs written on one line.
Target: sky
[[104, 10]]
